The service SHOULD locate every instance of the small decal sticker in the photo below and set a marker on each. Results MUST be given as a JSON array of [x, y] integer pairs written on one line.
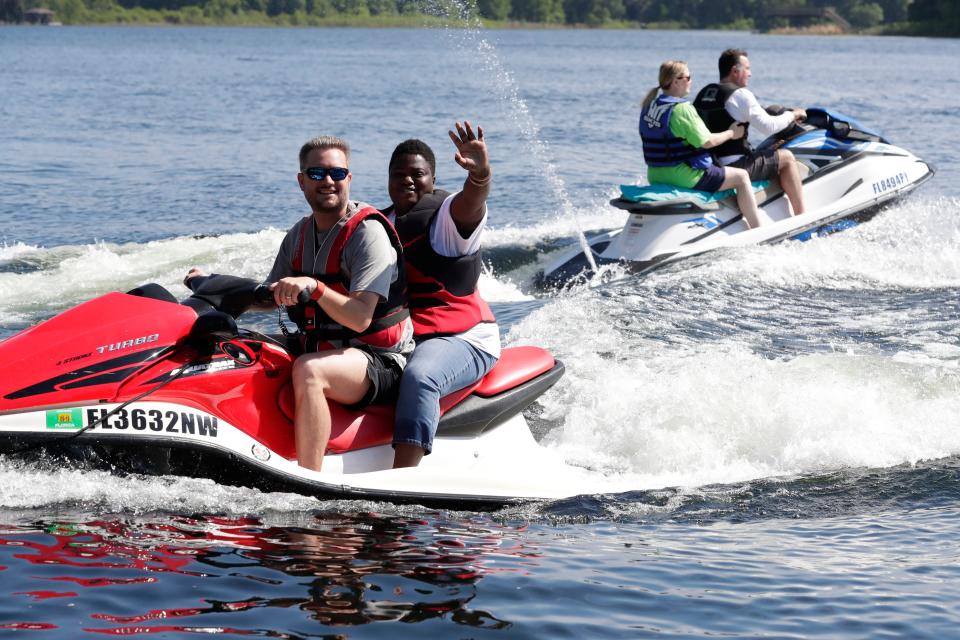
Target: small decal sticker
[[708, 221], [260, 452], [65, 419]]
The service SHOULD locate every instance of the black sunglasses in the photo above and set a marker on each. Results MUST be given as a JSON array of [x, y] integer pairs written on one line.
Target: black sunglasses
[[319, 173]]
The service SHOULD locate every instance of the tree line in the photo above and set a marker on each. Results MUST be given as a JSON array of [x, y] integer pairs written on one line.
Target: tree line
[[941, 17]]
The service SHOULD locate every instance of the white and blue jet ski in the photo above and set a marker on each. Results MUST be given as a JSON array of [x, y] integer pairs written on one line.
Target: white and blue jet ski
[[849, 174]]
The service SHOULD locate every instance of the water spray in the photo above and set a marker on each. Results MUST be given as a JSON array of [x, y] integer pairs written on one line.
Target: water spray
[[509, 94]]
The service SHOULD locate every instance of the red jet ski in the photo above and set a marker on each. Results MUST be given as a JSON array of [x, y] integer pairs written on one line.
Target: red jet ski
[[140, 382]]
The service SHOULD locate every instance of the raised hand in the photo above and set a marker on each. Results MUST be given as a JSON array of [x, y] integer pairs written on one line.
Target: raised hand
[[471, 150]]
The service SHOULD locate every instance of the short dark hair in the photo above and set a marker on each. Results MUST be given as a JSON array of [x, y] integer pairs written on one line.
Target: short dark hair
[[414, 147], [729, 59], [323, 142]]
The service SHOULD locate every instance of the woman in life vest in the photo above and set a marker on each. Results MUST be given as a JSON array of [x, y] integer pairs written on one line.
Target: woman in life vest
[[675, 141]]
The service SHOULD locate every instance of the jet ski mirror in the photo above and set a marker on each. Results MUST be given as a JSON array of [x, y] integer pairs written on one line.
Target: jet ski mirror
[[213, 325], [839, 128], [231, 294]]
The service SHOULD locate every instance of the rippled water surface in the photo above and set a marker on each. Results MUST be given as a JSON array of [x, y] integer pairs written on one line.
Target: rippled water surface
[[785, 416]]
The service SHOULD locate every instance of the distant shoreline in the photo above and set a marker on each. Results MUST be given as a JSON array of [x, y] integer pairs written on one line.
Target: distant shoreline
[[139, 17]]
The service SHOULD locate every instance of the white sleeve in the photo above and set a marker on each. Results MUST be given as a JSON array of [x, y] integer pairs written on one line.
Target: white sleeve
[[446, 239], [742, 106]]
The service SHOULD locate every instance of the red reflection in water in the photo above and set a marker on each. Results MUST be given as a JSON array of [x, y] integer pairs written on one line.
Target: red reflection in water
[[159, 614], [129, 631], [102, 582], [351, 569], [28, 626], [46, 595], [93, 550]]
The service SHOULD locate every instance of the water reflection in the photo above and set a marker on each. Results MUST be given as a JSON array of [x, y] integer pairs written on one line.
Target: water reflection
[[217, 575]]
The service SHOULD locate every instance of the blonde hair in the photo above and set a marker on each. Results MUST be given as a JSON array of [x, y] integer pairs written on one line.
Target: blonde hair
[[669, 70]]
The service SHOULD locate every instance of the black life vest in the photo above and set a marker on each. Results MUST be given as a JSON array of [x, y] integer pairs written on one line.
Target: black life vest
[[710, 103], [444, 299]]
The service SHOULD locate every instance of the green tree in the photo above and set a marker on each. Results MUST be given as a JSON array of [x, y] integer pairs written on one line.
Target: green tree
[[11, 10], [894, 10], [320, 8], [635, 9], [279, 7], [937, 16], [69, 11], [102, 6], [494, 9], [538, 10], [864, 16], [684, 11], [351, 7], [382, 7], [191, 15], [723, 12], [593, 12]]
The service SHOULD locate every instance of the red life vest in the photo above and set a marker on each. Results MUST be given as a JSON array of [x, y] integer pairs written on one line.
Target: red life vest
[[320, 331], [444, 299]]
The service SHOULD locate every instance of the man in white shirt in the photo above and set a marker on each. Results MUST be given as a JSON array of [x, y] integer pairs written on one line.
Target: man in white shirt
[[721, 104], [458, 340]]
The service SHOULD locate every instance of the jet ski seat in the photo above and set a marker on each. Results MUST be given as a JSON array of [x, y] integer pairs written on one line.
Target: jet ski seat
[[665, 198], [514, 372]]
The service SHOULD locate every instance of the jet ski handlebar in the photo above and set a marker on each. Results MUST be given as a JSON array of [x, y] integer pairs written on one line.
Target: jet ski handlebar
[[263, 294], [231, 294]]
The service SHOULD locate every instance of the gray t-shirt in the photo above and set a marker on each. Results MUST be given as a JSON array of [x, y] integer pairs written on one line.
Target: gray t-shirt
[[368, 260]]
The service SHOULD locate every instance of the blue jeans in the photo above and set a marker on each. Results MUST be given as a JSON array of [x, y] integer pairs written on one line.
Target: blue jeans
[[437, 367]]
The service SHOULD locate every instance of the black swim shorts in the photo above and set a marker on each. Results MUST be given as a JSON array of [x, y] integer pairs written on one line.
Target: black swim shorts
[[384, 373], [761, 165]]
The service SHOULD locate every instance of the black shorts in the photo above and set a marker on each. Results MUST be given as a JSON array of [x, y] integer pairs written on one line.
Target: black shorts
[[761, 165], [384, 373], [711, 179]]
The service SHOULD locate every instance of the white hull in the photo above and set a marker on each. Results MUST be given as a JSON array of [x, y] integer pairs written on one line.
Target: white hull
[[848, 186], [504, 464]]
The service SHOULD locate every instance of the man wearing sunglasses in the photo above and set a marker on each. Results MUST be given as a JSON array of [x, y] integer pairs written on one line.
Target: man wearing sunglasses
[[458, 340], [721, 104], [355, 330]]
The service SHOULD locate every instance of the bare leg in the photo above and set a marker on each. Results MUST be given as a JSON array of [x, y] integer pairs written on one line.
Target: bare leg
[[790, 180], [339, 375], [739, 180], [406, 455]]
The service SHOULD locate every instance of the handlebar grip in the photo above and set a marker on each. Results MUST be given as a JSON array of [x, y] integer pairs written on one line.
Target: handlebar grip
[[263, 295]]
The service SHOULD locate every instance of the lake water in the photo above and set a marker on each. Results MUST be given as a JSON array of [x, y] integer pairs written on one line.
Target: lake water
[[785, 415]]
